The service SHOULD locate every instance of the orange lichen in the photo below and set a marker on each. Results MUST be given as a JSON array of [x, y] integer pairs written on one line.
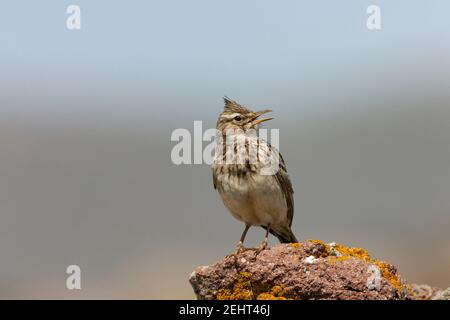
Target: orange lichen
[[339, 252], [326, 249], [243, 288], [276, 293], [296, 245], [357, 253], [389, 274]]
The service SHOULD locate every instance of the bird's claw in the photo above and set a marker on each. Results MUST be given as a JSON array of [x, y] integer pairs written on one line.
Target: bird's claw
[[262, 246], [239, 248]]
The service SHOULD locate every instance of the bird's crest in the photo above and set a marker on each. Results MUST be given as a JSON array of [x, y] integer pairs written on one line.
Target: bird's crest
[[233, 106]]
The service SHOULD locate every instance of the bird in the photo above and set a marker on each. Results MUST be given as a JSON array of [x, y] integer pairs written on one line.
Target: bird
[[253, 194]]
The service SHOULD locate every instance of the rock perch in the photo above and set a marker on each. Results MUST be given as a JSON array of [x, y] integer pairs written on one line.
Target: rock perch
[[309, 270]]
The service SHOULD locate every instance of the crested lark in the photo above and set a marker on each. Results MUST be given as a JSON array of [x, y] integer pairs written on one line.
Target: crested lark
[[243, 174]]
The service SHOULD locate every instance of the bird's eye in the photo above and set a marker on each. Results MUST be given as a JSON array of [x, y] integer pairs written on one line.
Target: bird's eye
[[237, 118]]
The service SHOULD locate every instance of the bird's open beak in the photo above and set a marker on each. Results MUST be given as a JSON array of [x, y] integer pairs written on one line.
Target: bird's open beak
[[260, 113]]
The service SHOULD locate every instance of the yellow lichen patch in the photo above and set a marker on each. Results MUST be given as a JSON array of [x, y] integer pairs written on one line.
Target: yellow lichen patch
[[244, 289], [269, 296], [276, 293], [389, 275], [241, 289], [297, 245], [327, 248], [317, 241], [357, 253]]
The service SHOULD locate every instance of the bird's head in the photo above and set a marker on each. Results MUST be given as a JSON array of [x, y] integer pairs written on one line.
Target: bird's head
[[236, 117]]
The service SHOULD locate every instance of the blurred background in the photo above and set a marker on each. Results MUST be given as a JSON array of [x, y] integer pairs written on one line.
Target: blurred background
[[86, 118]]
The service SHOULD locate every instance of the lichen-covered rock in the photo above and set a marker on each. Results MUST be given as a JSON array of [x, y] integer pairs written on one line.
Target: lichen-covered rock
[[310, 270], [426, 292], [444, 295]]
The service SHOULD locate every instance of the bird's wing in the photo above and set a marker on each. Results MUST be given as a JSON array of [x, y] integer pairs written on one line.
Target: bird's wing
[[286, 186]]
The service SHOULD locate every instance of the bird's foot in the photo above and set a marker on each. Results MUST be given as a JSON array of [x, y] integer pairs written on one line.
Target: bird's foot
[[239, 249], [262, 246]]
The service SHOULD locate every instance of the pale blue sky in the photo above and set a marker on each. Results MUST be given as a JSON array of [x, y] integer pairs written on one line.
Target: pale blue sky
[[141, 58]]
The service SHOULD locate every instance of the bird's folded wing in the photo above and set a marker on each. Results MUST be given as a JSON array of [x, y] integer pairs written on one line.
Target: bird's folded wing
[[286, 186]]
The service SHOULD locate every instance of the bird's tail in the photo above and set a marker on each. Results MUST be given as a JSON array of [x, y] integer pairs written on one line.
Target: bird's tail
[[287, 236]]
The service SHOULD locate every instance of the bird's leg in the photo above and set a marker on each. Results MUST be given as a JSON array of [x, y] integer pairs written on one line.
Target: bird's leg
[[240, 246], [265, 241], [263, 244]]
